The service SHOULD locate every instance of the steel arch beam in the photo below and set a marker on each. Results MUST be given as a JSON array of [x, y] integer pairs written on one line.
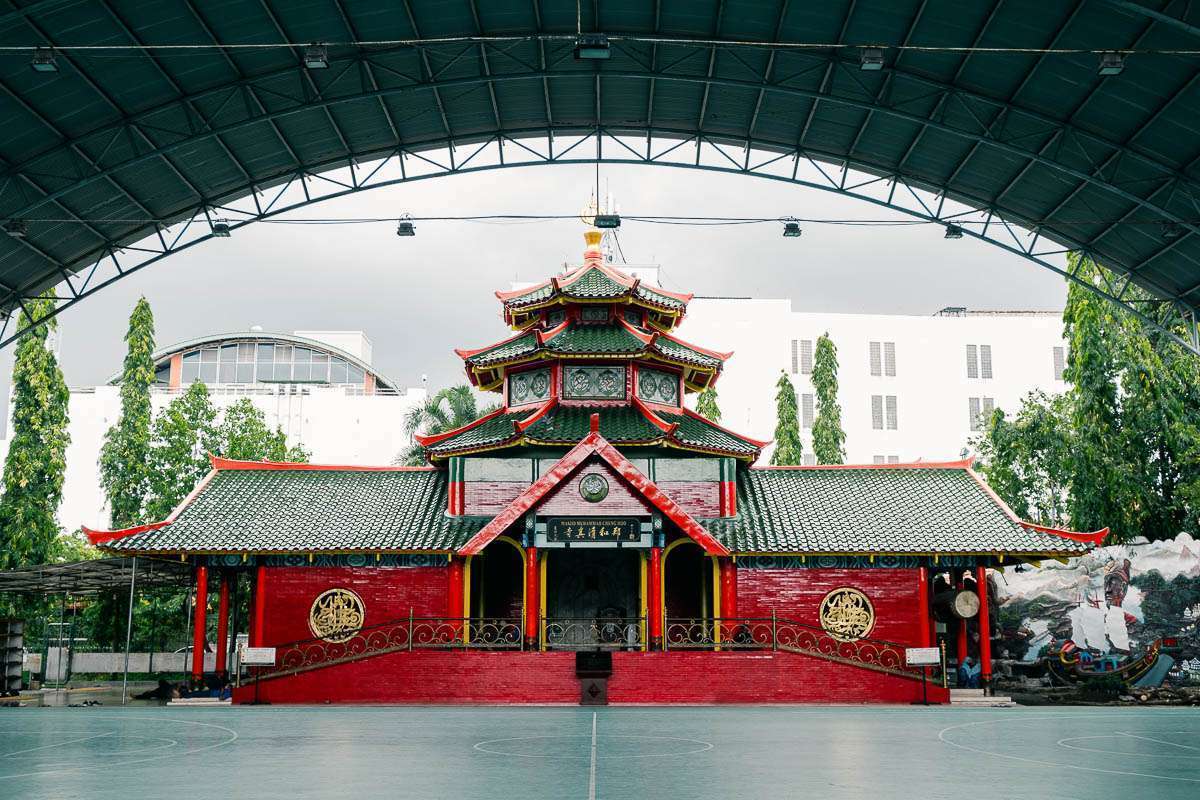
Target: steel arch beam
[[1175, 319]]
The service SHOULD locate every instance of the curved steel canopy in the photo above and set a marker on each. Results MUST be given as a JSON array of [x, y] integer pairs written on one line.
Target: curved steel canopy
[[990, 115]]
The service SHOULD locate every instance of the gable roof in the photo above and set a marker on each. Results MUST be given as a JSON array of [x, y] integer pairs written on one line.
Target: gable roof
[[593, 445], [922, 508], [263, 507]]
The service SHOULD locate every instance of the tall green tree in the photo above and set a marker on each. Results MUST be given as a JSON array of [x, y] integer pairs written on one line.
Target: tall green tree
[[124, 458], [446, 410], [184, 434], [828, 437], [788, 449], [36, 460], [244, 435], [1028, 458], [706, 405]]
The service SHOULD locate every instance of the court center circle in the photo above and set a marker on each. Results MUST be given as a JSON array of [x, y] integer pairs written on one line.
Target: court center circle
[[608, 746]]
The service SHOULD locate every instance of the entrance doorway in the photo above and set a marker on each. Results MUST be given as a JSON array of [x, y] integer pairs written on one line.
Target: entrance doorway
[[497, 582], [687, 582], [593, 598]]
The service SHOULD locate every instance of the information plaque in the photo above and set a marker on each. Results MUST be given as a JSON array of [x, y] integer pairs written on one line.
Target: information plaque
[[572, 530]]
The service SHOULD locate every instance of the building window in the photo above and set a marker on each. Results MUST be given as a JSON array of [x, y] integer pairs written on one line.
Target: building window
[[876, 359], [802, 356], [878, 459], [891, 412], [810, 459], [877, 412], [980, 410], [979, 361], [889, 359], [596, 383], [795, 356], [806, 410], [1059, 363], [893, 459]]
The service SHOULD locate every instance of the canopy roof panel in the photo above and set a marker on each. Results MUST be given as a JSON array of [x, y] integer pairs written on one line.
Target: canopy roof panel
[[1005, 113]]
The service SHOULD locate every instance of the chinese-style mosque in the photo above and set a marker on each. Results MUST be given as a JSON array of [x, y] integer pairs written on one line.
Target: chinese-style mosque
[[593, 511]]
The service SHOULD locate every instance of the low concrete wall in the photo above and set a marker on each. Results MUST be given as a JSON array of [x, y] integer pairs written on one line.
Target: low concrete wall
[[115, 662]]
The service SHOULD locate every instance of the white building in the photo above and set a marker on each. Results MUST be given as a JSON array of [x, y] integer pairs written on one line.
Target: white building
[[318, 386], [910, 387]]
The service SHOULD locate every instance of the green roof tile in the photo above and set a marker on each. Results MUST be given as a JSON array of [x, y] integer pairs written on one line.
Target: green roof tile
[[535, 295], [701, 433], [274, 510], [572, 423], [893, 510], [598, 339], [505, 351], [658, 298], [593, 284], [677, 351], [499, 428]]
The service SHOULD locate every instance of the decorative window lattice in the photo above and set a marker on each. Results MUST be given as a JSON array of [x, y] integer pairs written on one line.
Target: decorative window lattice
[[529, 387], [806, 410], [657, 386], [1059, 363], [594, 383], [806, 357], [594, 314]]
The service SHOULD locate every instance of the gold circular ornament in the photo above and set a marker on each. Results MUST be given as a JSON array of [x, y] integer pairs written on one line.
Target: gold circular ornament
[[336, 615], [847, 614]]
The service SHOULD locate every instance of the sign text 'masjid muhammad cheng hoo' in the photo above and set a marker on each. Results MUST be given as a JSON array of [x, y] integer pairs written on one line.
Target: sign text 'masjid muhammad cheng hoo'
[[593, 529]]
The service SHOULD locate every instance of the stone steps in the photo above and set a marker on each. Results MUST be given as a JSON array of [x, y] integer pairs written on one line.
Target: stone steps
[[976, 698]]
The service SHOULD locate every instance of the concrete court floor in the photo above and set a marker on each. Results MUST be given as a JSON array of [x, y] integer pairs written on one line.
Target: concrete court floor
[[108, 753]]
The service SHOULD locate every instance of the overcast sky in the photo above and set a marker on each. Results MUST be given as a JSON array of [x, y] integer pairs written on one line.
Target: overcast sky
[[417, 298]]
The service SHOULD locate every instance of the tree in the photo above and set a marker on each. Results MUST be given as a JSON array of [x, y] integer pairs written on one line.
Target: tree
[[828, 437], [124, 467], [706, 405], [184, 433], [243, 435], [452, 407], [36, 460], [788, 449]]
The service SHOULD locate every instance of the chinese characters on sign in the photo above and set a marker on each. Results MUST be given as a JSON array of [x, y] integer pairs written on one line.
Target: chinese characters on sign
[[593, 529]]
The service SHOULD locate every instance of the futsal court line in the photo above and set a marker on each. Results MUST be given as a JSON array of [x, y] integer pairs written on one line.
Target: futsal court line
[[1157, 741], [592, 772], [56, 744]]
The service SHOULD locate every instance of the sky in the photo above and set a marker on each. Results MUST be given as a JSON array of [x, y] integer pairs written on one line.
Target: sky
[[418, 298]]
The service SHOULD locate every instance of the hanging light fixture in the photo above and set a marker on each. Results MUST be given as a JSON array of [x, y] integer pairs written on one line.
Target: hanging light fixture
[[405, 227], [220, 228], [43, 60], [316, 56], [17, 228], [1172, 231], [954, 231], [871, 59], [608, 221], [791, 230], [592, 47], [1111, 63]]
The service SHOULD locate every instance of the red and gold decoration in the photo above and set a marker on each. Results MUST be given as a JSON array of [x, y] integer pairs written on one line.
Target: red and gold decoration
[[847, 614], [336, 615]]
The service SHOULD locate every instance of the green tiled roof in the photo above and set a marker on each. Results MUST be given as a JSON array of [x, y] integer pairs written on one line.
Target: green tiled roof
[[535, 295], [282, 510], [572, 423], [703, 434], [593, 284], [892, 510], [598, 339], [677, 351], [499, 428], [514, 348], [658, 298]]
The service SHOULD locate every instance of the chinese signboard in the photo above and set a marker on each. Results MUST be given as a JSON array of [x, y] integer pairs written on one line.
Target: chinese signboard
[[593, 529]]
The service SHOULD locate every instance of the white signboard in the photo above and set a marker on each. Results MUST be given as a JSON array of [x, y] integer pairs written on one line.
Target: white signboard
[[258, 656], [922, 656]]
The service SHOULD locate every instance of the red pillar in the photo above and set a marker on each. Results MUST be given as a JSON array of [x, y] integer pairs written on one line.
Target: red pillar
[[653, 605], [223, 626], [454, 592], [200, 622], [962, 629], [257, 630], [728, 573], [985, 628], [533, 600], [923, 606]]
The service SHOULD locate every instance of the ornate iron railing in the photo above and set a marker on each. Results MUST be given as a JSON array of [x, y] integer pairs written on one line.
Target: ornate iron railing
[[590, 633], [772, 633], [410, 633]]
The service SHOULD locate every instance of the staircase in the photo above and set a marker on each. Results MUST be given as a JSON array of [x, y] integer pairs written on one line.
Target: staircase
[[975, 698]]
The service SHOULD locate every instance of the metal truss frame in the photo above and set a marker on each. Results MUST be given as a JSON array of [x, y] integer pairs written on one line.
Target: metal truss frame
[[798, 166]]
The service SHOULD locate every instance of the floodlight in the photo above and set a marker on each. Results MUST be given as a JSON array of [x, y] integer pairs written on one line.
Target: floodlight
[[43, 60], [954, 231], [404, 227], [17, 228], [1111, 63], [871, 59], [220, 227], [791, 229], [592, 47], [608, 220], [316, 56], [1172, 231]]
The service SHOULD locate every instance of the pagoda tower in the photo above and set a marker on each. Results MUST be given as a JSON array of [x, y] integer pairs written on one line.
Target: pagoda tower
[[593, 341]]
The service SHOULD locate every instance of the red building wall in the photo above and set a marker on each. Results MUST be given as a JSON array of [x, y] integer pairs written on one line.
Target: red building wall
[[796, 594], [565, 498], [441, 677], [387, 595]]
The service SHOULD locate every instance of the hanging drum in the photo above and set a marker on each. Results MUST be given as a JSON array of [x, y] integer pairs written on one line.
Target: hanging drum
[[956, 604]]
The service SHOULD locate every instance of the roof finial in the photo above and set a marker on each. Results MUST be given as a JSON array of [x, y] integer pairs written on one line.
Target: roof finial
[[595, 423], [592, 252]]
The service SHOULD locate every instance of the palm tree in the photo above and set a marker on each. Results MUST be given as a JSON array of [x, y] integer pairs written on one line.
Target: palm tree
[[450, 408]]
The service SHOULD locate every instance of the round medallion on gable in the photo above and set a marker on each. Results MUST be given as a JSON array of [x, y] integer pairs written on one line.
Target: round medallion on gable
[[581, 383], [668, 390], [593, 487]]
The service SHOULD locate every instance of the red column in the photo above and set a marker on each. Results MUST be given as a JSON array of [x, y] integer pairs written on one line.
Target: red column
[[532, 597], [200, 622], [728, 573], [654, 586], [985, 628], [223, 626], [962, 629], [923, 606], [257, 624], [454, 591]]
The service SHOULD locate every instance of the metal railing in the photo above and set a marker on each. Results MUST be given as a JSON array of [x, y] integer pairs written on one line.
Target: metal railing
[[592, 633], [776, 634]]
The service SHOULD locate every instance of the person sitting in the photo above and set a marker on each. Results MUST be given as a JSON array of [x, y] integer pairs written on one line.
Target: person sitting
[[968, 673]]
